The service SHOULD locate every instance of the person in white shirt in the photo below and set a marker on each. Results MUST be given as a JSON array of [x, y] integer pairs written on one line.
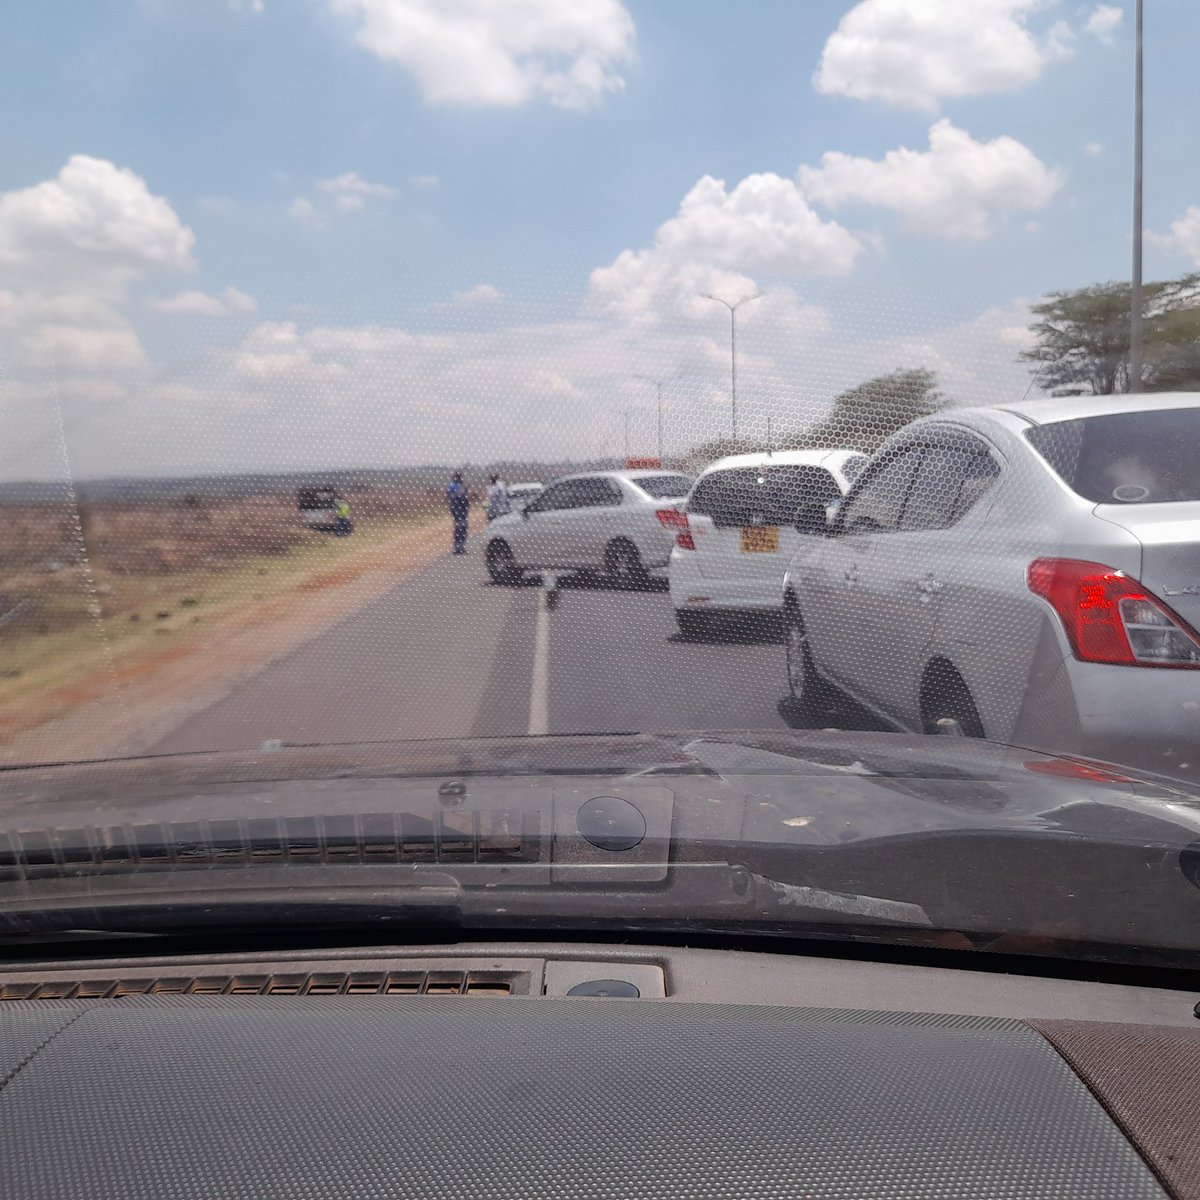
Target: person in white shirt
[[498, 503]]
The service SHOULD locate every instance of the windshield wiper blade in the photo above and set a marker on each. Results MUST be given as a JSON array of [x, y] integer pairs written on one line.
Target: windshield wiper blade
[[227, 903]]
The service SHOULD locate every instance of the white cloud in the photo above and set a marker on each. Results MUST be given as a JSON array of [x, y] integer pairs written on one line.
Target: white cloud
[[201, 304], [1093, 149], [94, 227], [764, 224], [1104, 21], [915, 53], [350, 191], [70, 247], [953, 189], [501, 52], [345, 193], [1184, 236], [481, 293], [305, 213]]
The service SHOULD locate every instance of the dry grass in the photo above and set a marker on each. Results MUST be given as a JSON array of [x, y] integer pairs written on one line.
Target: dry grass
[[120, 591]]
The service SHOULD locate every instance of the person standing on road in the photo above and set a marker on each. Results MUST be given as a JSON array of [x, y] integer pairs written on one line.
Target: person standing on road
[[458, 500], [498, 503]]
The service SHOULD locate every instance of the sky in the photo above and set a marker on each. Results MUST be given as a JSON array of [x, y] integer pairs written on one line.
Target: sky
[[270, 234]]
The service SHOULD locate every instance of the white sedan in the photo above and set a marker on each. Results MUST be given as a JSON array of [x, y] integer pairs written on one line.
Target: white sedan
[[602, 521], [737, 532]]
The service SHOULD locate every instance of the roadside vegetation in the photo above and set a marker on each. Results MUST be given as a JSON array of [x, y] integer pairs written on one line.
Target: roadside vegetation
[[110, 592]]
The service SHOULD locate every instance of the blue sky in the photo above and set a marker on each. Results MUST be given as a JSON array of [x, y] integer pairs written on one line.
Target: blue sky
[[453, 227]]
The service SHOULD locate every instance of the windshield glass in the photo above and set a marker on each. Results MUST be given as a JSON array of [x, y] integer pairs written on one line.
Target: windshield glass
[[1129, 458], [664, 487], [481, 395]]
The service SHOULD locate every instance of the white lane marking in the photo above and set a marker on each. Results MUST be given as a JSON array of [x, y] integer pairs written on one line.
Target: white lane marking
[[539, 721]]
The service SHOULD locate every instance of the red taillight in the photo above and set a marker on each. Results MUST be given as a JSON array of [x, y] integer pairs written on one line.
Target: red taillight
[[1110, 618], [672, 518]]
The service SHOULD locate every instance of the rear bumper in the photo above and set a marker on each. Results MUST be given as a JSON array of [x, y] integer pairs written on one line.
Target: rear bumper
[[692, 591], [1141, 717]]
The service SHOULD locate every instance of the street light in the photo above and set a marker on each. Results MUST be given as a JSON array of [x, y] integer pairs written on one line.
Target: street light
[[658, 383], [1135, 299], [732, 349]]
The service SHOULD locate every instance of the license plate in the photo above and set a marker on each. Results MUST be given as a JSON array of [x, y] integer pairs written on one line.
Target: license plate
[[760, 539]]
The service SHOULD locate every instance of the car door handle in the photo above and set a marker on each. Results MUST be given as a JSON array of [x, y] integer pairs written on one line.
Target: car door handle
[[929, 585], [851, 574]]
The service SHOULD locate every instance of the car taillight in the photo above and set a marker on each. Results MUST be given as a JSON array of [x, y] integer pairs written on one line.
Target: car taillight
[[672, 518], [1111, 618]]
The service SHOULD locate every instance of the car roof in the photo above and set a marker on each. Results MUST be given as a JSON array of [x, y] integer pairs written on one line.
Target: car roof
[[633, 476], [1066, 408], [787, 458]]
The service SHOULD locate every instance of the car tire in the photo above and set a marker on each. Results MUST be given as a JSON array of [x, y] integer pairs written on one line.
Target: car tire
[[693, 626], [623, 564], [809, 695], [945, 698], [501, 564]]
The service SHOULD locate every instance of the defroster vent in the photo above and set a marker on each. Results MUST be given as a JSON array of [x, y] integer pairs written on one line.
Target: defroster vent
[[357, 983]]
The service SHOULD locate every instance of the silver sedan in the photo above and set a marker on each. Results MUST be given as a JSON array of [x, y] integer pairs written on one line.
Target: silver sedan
[[1028, 573]]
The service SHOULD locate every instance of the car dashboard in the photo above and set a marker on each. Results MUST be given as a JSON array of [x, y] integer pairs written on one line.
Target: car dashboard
[[574, 1069]]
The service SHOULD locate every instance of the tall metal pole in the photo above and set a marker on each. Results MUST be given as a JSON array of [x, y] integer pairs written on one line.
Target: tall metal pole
[[658, 384], [626, 415], [1136, 302], [733, 351]]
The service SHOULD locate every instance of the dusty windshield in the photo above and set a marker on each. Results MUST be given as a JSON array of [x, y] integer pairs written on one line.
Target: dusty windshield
[[464, 377]]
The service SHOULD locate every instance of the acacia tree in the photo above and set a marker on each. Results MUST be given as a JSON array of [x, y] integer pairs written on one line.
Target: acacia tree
[[865, 416], [1082, 338]]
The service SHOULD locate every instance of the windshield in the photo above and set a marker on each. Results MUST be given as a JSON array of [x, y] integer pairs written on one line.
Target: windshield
[[769, 494], [558, 401], [664, 487], [1129, 458]]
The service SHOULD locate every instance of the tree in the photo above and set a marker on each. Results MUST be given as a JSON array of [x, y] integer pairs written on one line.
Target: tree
[[1082, 338], [865, 416], [861, 418]]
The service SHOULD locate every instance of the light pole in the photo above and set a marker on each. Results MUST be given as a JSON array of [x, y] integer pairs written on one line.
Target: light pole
[[658, 383], [732, 349], [1135, 299], [625, 414]]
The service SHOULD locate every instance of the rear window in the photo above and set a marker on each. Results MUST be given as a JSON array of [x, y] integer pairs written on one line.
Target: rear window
[[1126, 458], [665, 487], [766, 495]]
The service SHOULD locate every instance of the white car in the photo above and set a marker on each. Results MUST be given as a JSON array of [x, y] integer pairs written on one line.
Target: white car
[[736, 534], [520, 494], [604, 520]]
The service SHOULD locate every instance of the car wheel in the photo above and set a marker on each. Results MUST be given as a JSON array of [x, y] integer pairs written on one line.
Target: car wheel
[[947, 706], [501, 565], [810, 695], [693, 626], [623, 564]]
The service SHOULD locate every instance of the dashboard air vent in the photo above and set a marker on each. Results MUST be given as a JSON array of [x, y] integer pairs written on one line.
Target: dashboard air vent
[[358, 983]]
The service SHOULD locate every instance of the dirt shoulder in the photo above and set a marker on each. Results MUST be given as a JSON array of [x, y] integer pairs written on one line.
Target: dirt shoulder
[[125, 694]]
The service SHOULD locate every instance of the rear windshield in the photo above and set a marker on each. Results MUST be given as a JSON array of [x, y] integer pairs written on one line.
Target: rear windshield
[[1126, 458], [766, 495], [665, 487]]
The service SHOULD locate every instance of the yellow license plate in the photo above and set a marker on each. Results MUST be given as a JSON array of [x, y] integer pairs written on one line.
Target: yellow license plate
[[760, 539]]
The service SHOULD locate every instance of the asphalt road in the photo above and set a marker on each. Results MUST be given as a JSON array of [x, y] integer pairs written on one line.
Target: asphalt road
[[447, 654]]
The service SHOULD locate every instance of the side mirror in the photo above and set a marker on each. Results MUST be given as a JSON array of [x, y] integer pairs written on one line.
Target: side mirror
[[812, 517], [525, 512]]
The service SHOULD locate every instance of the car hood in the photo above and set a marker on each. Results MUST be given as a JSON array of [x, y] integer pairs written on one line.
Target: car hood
[[769, 832], [896, 781]]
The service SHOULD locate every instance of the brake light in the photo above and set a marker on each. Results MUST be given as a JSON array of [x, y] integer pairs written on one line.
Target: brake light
[[672, 518], [1109, 617]]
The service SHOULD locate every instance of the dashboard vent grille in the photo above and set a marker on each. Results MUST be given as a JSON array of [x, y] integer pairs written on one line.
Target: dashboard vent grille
[[480, 836], [357, 983]]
